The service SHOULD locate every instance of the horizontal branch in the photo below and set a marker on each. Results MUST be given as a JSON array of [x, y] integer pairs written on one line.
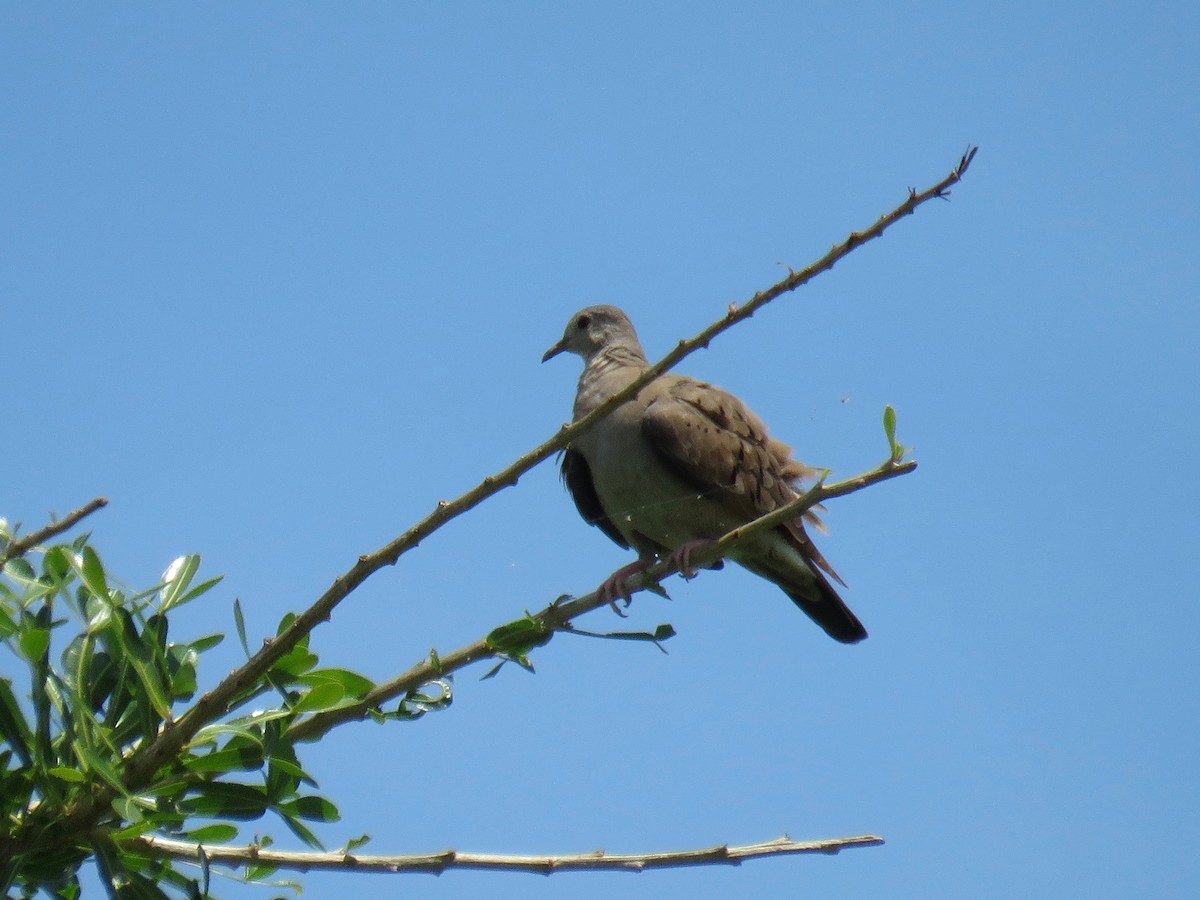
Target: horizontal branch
[[21, 546], [437, 863], [558, 614]]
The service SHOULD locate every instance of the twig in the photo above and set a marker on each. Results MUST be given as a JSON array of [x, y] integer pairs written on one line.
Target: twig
[[558, 614], [437, 863], [215, 703], [21, 546]]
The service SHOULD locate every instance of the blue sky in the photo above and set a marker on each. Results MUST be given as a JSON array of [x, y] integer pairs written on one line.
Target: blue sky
[[276, 278]]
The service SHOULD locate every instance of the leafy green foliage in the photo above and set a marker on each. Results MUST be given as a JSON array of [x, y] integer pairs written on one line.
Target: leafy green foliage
[[106, 677]]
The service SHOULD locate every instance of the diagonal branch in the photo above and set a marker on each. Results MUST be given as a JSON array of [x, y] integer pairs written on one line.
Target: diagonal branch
[[557, 615], [437, 863], [215, 703], [21, 546]]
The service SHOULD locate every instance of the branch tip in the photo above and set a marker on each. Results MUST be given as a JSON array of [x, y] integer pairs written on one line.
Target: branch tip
[[20, 546]]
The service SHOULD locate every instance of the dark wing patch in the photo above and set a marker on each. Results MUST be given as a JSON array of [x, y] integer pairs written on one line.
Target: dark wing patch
[[578, 478]]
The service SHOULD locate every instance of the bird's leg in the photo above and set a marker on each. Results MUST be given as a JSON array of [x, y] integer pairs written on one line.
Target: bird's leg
[[614, 587], [681, 557]]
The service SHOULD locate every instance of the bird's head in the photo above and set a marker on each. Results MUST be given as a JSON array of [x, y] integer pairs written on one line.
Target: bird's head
[[593, 329]]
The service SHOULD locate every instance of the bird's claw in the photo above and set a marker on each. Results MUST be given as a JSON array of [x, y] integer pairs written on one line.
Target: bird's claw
[[681, 557], [615, 588]]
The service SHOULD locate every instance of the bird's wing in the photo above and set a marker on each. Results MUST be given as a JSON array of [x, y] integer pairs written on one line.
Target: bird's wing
[[714, 442], [578, 478]]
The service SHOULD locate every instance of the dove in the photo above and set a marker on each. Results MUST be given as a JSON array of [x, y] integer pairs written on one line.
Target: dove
[[681, 464]]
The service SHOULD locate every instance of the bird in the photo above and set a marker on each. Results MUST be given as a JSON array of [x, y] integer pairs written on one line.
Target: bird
[[679, 465]]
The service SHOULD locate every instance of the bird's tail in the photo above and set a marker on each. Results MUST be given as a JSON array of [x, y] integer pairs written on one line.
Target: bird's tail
[[809, 589]]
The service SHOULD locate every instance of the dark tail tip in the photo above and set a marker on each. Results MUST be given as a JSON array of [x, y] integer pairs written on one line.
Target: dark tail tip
[[828, 610]]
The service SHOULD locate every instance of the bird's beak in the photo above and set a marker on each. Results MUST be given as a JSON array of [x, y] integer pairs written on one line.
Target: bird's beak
[[555, 350]]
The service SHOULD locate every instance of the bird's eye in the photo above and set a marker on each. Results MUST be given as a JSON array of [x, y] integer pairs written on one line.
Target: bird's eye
[[583, 322]]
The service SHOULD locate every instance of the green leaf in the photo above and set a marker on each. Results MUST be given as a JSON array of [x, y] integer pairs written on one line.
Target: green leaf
[[75, 661], [100, 615], [56, 564], [294, 663], [154, 634], [183, 683], [92, 572], [142, 652], [209, 734], [13, 726], [202, 588], [20, 569], [355, 843], [96, 763], [241, 625], [101, 679], [129, 832], [517, 638], [8, 626], [222, 799], [291, 768], [514, 641], [244, 757], [313, 809], [889, 428], [302, 831], [34, 643], [200, 645], [66, 773], [258, 873], [218, 833], [351, 683], [128, 809], [176, 579], [258, 717], [320, 697], [285, 623]]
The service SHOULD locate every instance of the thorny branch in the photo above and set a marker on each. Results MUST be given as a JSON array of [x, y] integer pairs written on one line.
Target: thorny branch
[[175, 735], [437, 863], [557, 615]]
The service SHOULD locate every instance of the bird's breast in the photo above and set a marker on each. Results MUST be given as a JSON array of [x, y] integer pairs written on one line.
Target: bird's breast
[[640, 494]]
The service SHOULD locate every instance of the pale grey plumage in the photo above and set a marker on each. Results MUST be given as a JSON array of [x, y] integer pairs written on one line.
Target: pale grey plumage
[[686, 461]]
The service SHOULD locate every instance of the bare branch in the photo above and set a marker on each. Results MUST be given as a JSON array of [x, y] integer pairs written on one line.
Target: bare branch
[[557, 615], [437, 863], [21, 546]]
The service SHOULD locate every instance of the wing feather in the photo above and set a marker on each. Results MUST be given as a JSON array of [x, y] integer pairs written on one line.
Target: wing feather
[[577, 476]]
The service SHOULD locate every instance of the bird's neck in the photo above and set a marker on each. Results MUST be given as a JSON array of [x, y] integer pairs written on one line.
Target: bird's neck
[[606, 373]]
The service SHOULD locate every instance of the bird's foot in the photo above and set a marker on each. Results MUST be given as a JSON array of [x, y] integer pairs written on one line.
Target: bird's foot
[[681, 557], [614, 587]]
